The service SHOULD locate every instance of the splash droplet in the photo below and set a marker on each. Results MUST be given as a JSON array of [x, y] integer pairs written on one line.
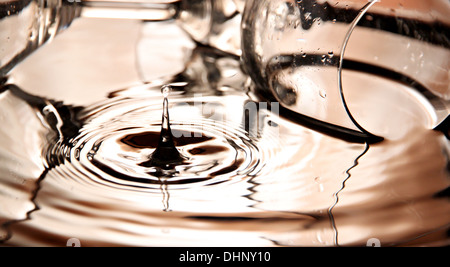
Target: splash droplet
[[166, 155], [166, 90]]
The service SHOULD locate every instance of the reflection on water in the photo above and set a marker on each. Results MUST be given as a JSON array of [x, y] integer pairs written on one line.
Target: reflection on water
[[255, 178]]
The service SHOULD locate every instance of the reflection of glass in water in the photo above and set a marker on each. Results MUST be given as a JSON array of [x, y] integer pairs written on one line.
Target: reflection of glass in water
[[285, 185], [301, 188]]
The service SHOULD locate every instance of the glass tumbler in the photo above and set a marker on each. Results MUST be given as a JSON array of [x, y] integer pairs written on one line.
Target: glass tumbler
[[364, 69], [25, 25]]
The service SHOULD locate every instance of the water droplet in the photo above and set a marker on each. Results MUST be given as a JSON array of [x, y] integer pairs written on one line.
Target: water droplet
[[319, 182], [272, 123], [331, 54], [166, 90], [90, 156], [77, 153], [323, 94], [308, 16]]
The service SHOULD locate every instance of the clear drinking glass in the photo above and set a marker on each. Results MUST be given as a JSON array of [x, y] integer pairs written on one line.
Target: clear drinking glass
[[346, 66], [25, 25], [331, 64]]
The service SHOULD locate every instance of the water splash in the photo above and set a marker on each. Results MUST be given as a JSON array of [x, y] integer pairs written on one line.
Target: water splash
[[166, 156]]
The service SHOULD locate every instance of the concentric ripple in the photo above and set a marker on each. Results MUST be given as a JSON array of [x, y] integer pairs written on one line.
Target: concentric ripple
[[118, 137], [263, 184]]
